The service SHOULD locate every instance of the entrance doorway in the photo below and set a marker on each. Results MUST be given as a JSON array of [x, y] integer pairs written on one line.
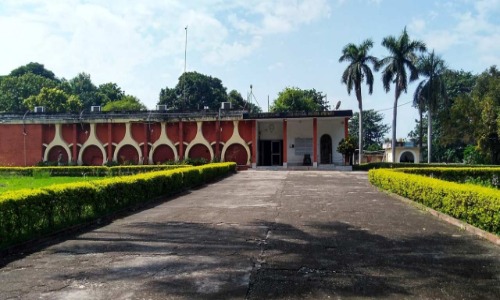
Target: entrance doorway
[[325, 144], [271, 153], [407, 157]]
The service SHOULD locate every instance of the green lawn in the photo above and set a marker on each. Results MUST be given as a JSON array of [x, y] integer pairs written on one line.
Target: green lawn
[[18, 182]]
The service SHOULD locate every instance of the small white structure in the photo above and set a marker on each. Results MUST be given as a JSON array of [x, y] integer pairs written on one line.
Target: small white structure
[[406, 152]]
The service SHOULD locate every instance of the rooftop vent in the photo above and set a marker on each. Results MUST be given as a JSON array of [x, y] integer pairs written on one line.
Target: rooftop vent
[[161, 107], [226, 105], [39, 109]]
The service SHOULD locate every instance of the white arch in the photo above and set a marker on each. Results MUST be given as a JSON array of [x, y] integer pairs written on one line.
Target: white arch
[[128, 140], [199, 139], [57, 141], [92, 141], [236, 139], [412, 152], [163, 141]]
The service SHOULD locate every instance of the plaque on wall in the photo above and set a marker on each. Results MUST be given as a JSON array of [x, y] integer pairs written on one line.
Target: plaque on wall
[[303, 146]]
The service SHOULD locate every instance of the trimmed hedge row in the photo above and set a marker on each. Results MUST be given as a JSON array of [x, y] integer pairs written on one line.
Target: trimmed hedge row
[[476, 205], [490, 175], [389, 165], [28, 214], [96, 171]]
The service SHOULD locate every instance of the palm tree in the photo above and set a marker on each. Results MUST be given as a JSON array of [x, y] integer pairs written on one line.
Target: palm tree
[[429, 91], [419, 103], [401, 57], [357, 71]]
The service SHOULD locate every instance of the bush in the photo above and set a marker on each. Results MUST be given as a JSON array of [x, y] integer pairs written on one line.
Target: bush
[[28, 214], [389, 165], [478, 206], [488, 176], [79, 171]]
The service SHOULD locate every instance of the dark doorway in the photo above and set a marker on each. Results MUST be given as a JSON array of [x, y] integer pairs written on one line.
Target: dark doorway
[[407, 157], [271, 153], [326, 149]]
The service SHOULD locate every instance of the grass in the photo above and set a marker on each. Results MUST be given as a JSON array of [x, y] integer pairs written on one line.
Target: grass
[[14, 183]]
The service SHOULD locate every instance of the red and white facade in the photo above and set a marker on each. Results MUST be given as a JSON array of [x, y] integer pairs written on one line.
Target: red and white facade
[[154, 137]]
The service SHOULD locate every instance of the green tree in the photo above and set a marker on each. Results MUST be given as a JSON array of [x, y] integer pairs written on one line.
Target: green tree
[[74, 104], [373, 131], [402, 56], [34, 68], [356, 72], [111, 91], [88, 93], [473, 156], [53, 99], [126, 103], [294, 99], [474, 118], [15, 89], [453, 126], [347, 147], [458, 83], [193, 92], [430, 92]]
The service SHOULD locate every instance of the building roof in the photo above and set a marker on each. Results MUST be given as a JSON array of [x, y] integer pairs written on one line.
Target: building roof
[[159, 116]]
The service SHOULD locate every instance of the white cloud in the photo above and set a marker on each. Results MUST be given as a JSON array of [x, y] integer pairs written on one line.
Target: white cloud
[[417, 25], [476, 29], [441, 40], [117, 40]]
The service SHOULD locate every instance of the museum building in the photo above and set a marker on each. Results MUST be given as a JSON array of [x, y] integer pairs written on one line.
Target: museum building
[[154, 137]]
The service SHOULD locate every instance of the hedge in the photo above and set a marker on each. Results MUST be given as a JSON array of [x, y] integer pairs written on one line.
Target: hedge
[[95, 171], [389, 165], [29, 214], [476, 205], [486, 176]]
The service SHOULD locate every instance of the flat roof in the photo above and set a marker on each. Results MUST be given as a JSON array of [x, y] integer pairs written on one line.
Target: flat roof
[[159, 116]]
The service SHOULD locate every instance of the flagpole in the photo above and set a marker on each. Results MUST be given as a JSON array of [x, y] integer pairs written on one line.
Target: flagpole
[[185, 62]]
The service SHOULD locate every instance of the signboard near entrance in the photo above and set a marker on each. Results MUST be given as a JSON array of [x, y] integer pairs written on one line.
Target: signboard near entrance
[[303, 146]]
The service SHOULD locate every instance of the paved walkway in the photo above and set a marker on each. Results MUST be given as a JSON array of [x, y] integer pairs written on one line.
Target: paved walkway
[[265, 235]]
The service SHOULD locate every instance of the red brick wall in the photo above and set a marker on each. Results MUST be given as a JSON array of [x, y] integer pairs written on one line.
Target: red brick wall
[[14, 150]]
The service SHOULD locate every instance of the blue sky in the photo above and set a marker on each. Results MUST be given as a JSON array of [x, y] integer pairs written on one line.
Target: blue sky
[[269, 44]]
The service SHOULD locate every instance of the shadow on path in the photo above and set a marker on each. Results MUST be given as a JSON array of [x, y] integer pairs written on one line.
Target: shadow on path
[[274, 260]]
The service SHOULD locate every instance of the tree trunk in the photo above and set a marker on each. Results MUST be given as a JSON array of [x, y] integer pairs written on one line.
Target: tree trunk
[[429, 136], [360, 131], [394, 118], [420, 137]]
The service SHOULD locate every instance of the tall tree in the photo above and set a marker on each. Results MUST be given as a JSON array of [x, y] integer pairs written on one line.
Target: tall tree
[[487, 94], [430, 91], [295, 99], [34, 68], [54, 100], [402, 56], [15, 89], [193, 92], [373, 131], [356, 72], [111, 91], [83, 87]]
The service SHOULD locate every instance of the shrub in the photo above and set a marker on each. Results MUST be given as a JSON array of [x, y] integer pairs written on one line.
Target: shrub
[[478, 206], [27, 214], [389, 165], [82, 171], [488, 176]]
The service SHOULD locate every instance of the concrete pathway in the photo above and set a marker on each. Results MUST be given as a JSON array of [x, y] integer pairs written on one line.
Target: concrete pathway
[[265, 235]]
